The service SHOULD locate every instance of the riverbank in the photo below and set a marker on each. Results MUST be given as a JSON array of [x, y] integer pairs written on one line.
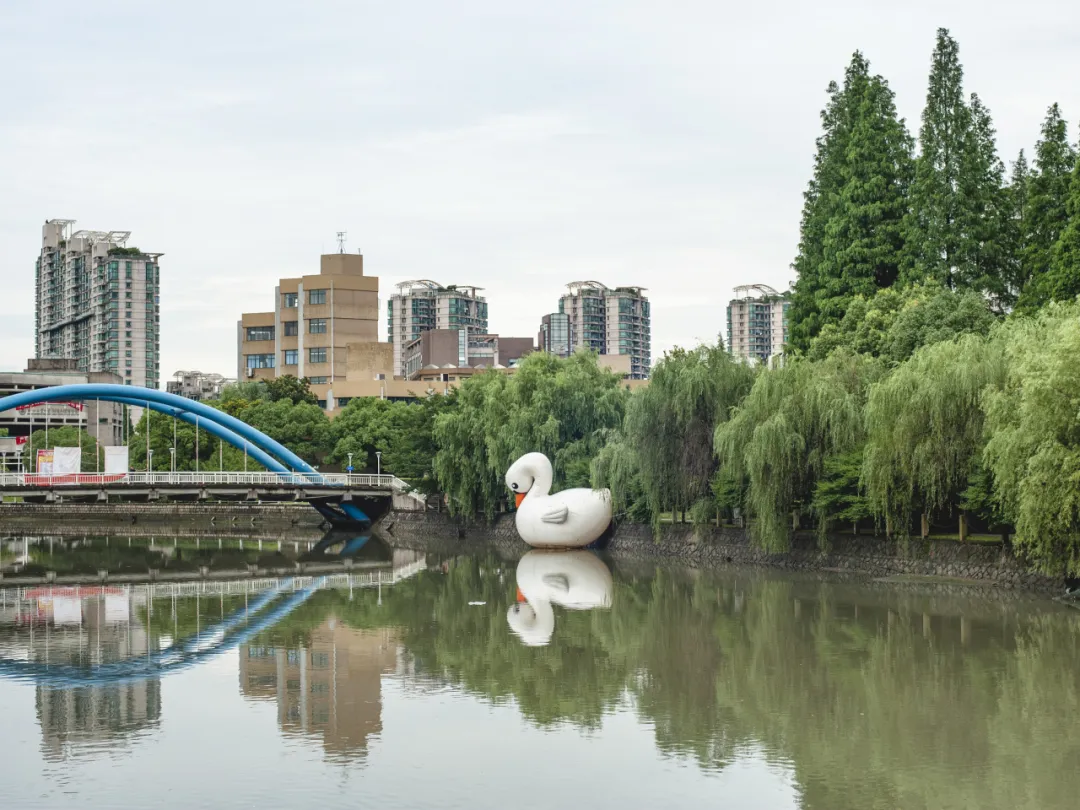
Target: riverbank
[[973, 563], [213, 516]]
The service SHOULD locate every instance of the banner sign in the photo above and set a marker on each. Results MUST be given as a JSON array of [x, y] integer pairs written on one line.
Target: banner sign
[[22, 439], [66, 460], [52, 410], [44, 462], [116, 459]]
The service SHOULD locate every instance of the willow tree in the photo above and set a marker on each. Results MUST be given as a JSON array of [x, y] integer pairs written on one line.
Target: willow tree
[[562, 408], [669, 431], [924, 428], [1033, 424], [793, 419]]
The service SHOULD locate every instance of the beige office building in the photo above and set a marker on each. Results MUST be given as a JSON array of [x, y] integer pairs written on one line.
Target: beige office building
[[314, 318]]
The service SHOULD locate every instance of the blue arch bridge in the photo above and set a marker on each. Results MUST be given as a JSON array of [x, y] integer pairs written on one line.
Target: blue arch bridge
[[344, 500]]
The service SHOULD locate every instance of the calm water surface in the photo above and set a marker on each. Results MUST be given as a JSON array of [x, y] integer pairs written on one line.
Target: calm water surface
[[560, 680]]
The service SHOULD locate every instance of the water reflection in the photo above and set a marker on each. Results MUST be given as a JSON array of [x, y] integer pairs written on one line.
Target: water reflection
[[575, 580], [327, 688], [870, 696]]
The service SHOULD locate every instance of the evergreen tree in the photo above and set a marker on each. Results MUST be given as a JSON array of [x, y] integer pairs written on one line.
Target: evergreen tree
[[1014, 277], [983, 257], [821, 199], [954, 229], [1062, 283], [1045, 209], [932, 226], [864, 238]]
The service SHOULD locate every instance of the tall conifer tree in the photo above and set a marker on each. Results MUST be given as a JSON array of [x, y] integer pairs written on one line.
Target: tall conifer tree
[[822, 197], [851, 230], [1045, 212], [1014, 276], [1062, 283]]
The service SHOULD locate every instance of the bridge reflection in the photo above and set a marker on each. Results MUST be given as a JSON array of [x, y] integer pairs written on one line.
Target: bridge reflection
[[97, 655]]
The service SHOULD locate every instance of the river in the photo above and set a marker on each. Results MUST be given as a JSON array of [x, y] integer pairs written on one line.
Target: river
[[560, 680]]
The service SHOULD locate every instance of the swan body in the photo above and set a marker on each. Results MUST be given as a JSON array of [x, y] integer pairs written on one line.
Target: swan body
[[569, 519], [575, 580]]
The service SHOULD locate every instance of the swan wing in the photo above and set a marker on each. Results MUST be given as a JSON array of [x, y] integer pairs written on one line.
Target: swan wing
[[556, 514]]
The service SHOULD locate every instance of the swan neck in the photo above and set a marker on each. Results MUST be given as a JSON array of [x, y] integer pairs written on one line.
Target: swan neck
[[542, 478]]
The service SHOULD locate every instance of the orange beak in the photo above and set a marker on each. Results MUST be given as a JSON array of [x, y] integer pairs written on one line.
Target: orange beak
[[518, 498], [520, 595]]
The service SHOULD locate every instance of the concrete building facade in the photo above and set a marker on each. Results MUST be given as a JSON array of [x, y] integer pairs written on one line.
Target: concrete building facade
[[610, 321], [419, 306], [314, 318], [452, 349], [102, 420], [98, 301], [197, 385], [757, 323]]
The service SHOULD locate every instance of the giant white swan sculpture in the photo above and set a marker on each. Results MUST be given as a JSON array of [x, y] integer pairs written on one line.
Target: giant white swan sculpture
[[575, 580], [569, 519]]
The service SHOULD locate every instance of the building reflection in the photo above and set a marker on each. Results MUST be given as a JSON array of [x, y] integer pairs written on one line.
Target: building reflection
[[82, 627], [330, 691]]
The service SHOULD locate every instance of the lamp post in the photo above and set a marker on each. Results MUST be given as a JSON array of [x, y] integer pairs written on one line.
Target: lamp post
[[172, 459], [149, 459], [349, 468], [378, 462]]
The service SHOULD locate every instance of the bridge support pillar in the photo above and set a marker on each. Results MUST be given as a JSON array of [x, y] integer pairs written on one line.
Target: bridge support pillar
[[102, 496]]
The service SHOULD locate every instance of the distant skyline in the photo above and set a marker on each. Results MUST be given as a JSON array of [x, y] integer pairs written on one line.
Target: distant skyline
[[516, 149]]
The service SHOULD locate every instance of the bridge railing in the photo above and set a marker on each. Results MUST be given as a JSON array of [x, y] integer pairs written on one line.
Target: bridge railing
[[273, 479]]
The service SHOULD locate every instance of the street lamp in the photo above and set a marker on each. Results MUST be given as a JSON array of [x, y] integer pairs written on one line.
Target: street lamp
[[349, 468], [378, 462], [149, 460], [172, 459]]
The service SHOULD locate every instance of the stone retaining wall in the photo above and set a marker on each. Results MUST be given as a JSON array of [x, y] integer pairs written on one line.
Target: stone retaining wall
[[59, 515], [865, 554]]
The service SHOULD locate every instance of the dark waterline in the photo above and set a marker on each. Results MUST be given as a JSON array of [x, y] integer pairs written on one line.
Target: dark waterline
[[415, 681]]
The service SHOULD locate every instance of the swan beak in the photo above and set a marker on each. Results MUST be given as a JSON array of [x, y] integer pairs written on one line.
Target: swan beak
[[520, 595], [518, 498]]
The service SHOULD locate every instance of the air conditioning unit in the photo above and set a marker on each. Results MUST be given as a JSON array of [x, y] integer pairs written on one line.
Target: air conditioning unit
[[380, 376], [251, 372]]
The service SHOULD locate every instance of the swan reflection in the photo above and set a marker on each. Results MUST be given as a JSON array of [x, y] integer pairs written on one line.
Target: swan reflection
[[574, 580]]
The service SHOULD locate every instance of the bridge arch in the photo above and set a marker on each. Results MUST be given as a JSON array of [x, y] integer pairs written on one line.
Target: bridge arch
[[231, 429]]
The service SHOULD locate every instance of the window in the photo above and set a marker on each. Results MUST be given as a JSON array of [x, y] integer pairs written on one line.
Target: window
[[317, 380], [260, 361], [317, 355], [291, 328], [127, 344], [291, 357], [289, 300], [127, 334], [320, 660], [317, 326], [260, 333], [316, 296]]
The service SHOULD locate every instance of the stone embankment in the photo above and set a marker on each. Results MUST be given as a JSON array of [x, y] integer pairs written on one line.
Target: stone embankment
[[875, 557]]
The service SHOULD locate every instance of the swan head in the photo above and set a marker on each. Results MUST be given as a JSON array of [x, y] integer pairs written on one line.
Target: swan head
[[524, 473], [528, 626]]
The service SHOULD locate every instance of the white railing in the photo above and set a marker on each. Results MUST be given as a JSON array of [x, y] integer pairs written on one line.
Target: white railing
[[203, 478]]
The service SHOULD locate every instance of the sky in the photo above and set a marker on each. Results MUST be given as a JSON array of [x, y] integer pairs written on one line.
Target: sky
[[512, 146]]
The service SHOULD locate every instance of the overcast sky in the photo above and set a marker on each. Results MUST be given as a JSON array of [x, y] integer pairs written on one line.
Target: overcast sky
[[513, 146]]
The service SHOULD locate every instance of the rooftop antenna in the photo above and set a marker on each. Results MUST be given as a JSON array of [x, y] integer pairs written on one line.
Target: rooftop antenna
[[341, 241]]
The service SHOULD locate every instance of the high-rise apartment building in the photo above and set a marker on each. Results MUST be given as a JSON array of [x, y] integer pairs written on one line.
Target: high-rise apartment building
[[554, 335], [98, 302], [418, 306], [614, 320], [313, 319], [757, 323]]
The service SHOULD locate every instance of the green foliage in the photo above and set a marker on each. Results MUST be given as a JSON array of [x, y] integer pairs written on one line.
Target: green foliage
[[894, 322], [1033, 425], [1045, 210], [852, 222], [289, 388], [669, 430], [1062, 282], [401, 431], [303, 428], [924, 428], [65, 437], [837, 494], [559, 407], [778, 439]]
